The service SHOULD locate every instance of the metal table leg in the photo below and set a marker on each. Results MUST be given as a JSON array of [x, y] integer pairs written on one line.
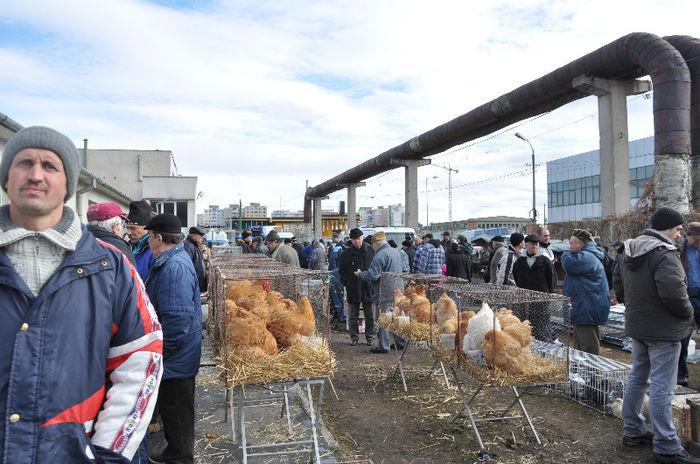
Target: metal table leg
[[399, 365], [465, 407]]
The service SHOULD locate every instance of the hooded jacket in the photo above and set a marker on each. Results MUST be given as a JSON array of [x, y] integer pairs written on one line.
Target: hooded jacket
[[651, 281], [80, 361], [585, 283]]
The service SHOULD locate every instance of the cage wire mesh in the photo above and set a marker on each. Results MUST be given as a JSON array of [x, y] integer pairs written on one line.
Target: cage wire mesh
[[485, 329], [220, 250], [279, 297], [594, 381]]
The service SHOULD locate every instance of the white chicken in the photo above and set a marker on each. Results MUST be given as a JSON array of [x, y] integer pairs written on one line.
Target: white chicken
[[478, 326]]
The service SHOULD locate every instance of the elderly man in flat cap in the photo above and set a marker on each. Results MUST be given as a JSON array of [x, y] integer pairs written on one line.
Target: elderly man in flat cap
[[80, 344], [658, 315], [106, 221], [174, 290], [585, 283]]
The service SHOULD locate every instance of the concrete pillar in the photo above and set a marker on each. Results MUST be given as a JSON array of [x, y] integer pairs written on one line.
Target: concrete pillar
[[352, 204], [614, 142], [317, 224], [411, 190]]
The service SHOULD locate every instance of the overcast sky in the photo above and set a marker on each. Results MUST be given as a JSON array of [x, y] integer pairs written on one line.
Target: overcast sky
[[257, 97]]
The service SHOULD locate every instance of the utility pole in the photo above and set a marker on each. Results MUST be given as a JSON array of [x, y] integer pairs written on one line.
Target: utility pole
[[449, 187]]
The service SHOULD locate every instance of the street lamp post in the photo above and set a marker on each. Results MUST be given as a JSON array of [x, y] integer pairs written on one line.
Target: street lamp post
[[534, 208], [426, 199]]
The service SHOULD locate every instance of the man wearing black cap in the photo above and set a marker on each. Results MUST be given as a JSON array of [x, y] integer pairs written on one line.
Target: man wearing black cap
[[174, 291], [504, 273], [358, 256], [140, 213], [192, 247], [658, 315], [80, 344], [585, 283]]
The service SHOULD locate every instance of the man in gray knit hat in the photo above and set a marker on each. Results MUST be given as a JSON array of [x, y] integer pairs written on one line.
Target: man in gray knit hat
[[76, 320]]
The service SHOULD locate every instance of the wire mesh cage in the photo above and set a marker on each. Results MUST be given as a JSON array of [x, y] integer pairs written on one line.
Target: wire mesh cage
[[485, 329], [269, 322], [594, 381]]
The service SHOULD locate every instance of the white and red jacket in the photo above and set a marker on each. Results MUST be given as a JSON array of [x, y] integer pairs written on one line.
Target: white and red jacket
[[80, 363]]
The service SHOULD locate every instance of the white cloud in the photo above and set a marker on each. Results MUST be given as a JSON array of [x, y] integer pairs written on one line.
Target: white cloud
[[257, 97]]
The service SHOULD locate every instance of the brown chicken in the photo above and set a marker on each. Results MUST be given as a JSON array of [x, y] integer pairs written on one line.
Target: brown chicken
[[445, 309], [289, 322], [246, 332], [506, 317], [402, 303], [509, 349], [256, 304], [464, 322], [237, 289], [420, 308]]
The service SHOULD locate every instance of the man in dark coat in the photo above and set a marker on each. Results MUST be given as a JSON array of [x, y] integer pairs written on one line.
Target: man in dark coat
[[658, 315], [535, 271], [358, 256], [458, 263], [192, 243], [107, 222], [174, 291]]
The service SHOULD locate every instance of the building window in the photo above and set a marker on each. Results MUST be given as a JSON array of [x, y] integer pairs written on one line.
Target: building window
[[577, 191], [638, 179]]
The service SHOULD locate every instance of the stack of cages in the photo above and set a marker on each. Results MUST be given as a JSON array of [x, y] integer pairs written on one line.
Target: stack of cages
[[498, 334], [272, 324], [595, 381]]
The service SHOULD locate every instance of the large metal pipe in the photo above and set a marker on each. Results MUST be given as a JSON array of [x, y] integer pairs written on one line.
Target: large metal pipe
[[689, 48], [631, 56]]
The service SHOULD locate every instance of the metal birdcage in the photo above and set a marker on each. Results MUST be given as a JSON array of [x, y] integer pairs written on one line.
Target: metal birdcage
[[263, 273], [442, 314]]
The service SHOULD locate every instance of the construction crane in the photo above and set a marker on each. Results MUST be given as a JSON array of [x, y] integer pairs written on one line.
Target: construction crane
[[449, 170]]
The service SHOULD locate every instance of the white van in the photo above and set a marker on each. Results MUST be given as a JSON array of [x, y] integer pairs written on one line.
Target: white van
[[398, 234]]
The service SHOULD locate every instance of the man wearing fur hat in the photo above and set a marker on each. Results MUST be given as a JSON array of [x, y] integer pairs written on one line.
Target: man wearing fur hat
[[658, 315], [80, 345], [585, 283]]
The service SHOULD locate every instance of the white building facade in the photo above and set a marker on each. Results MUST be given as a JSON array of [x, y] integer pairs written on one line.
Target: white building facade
[[573, 183]]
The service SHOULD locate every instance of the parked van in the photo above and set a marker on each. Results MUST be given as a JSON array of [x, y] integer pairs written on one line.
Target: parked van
[[398, 234]]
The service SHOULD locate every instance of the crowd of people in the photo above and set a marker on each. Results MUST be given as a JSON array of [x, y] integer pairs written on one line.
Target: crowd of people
[[107, 326]]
